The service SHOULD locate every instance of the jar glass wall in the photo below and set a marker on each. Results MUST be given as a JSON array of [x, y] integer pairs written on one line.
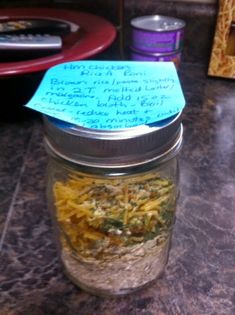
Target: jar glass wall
[[113, 227]]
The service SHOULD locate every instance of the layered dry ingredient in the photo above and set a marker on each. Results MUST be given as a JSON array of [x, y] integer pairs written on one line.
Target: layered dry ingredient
[[114, 232]]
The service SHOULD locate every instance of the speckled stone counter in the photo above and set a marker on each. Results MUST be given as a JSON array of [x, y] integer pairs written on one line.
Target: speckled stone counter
[[200, 275]]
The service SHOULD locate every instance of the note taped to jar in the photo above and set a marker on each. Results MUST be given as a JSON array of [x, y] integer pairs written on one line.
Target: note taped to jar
[[110, 94]]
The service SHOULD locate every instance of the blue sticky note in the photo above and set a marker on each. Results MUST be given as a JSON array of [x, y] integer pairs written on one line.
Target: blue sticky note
[[110, 94]]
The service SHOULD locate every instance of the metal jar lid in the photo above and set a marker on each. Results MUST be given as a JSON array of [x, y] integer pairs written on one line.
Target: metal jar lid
[[157, 23], [114, 148]]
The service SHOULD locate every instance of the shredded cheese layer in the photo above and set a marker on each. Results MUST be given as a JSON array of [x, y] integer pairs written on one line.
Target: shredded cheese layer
[[98, 215]]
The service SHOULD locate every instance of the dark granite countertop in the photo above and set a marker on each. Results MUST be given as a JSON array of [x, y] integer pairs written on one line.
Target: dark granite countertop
[[200, 275]]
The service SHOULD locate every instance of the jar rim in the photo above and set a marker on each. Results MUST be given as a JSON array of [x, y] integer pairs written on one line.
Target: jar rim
[[118, 169], [114, 148]]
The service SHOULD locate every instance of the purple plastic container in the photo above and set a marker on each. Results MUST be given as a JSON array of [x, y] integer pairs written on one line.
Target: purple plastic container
[[157, 34], [139, 55]]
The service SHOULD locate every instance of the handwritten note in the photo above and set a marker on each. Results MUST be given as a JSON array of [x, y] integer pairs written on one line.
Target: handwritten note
[[110, 94]]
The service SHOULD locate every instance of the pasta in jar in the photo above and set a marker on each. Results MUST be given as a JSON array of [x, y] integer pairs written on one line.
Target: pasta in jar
[[114, 224]]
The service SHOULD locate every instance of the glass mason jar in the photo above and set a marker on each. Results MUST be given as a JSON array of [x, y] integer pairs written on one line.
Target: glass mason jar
[[112, 195]]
